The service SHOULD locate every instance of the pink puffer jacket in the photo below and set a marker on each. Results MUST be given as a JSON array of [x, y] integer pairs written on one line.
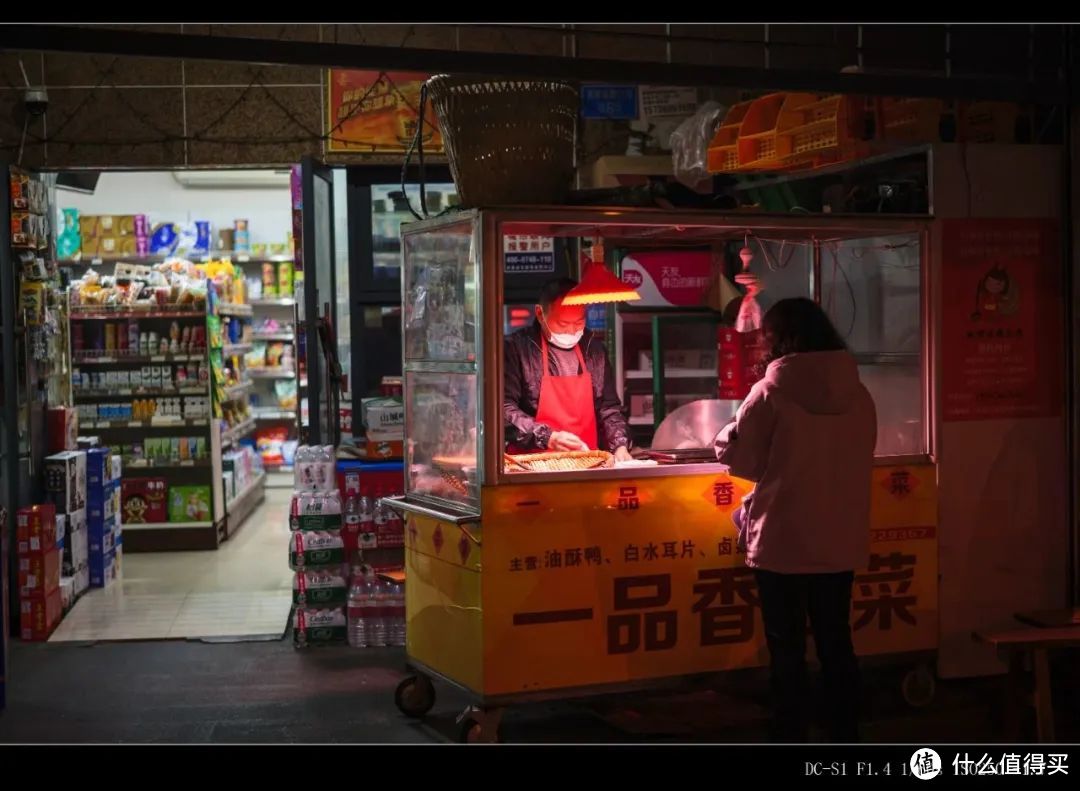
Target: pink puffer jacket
[[805, 435]]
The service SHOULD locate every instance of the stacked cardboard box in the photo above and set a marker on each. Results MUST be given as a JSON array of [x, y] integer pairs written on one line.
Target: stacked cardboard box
[[114, 235], [65, 488], [103, 517], [40, 607]]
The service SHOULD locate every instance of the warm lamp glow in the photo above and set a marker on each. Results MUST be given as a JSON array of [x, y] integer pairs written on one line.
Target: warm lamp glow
[[599, 285]]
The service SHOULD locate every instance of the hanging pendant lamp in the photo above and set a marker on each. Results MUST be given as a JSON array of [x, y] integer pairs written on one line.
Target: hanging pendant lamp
[[598, 284]]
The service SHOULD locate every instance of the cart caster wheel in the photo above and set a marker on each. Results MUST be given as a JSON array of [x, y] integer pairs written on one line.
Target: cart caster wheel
[[415, 696], [919, 687], [471, 731]]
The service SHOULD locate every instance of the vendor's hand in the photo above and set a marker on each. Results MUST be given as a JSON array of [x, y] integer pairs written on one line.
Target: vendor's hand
[[622, 454], [564, 441]]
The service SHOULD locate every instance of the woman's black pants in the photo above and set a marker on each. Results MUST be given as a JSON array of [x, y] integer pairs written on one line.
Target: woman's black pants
[[786, 602]]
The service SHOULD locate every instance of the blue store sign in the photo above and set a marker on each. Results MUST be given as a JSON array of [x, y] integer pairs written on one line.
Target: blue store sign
[[614, 102]]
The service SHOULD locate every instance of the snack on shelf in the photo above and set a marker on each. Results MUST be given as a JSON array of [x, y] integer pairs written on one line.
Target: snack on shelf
[[189, 503], [274, 352], [270, 444], [172, 283], [164, 239], [256, 358], [286, 392], [269, 281]]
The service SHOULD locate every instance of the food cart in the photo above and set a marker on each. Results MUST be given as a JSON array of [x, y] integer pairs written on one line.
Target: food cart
[[526, 585]]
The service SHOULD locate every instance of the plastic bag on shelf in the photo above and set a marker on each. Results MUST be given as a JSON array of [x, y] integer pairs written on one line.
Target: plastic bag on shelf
[[690, 144]]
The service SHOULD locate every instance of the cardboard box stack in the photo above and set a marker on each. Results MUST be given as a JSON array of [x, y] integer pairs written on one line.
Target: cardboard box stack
[[103, 516], [65, 490], [114, 235], [384, 428], [40, 605]]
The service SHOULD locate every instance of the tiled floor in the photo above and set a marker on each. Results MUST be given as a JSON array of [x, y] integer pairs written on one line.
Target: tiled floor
[[243, 590]]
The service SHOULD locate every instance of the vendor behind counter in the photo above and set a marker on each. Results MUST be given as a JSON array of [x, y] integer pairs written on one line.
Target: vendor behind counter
[[559, 389]]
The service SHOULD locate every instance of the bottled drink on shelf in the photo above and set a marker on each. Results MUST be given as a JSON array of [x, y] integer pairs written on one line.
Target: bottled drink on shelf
[[302, 473], [379, 605], [367, 521], [328, 476], [350, 533], [358, 612], [381, 518], [396, 632]]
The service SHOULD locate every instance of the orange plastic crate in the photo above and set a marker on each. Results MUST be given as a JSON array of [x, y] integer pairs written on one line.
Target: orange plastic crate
[[759, 146], [757, 138], [723, 154], [822, 131]]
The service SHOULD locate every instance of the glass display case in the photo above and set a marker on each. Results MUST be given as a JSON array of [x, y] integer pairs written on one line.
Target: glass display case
[[868, 273], [443, 418]]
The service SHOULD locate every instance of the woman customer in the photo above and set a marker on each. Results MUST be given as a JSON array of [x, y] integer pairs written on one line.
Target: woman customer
[[805, 435]]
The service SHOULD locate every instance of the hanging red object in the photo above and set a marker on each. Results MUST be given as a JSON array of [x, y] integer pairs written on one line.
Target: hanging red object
[[749, 318], [598, 284]]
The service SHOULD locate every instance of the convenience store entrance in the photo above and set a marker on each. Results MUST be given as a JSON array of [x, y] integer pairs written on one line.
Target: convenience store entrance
[[205, 427]]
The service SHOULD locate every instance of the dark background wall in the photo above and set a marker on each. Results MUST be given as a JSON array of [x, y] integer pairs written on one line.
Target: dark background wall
[[109, 111]]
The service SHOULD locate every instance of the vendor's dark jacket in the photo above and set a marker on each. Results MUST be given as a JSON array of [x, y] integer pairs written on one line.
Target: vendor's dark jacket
[[521, 394]]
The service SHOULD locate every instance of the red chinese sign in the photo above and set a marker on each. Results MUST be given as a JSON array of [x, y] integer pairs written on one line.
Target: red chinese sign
[[1001, 326], [741, 355]]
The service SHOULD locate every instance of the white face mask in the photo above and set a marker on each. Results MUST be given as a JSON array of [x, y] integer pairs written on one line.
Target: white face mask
[[563, 340], [566, 340]]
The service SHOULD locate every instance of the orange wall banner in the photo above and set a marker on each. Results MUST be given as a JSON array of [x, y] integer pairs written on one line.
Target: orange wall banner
[[375, 112]]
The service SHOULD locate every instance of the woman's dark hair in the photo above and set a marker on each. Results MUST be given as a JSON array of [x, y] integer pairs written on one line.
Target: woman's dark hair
[[797, 325]]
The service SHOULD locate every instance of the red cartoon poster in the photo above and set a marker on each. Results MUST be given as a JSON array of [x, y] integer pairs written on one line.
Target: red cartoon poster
[[1001, 325]]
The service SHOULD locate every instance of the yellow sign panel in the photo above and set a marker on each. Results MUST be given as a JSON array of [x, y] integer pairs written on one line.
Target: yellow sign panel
[[591, 583]]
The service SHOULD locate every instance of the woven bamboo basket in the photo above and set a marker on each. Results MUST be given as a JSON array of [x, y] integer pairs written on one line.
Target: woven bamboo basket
[[509, 142], [565, 461]]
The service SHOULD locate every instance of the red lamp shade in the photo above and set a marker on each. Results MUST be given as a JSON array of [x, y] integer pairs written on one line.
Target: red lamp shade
[[599, 285]]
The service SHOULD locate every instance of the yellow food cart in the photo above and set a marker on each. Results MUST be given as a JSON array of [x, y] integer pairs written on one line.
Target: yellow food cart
[[525, 586]]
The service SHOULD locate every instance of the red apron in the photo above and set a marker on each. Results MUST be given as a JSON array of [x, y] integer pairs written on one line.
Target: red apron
[[566, 402]]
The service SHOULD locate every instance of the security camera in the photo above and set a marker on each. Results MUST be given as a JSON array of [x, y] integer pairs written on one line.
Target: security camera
[[36, 101]]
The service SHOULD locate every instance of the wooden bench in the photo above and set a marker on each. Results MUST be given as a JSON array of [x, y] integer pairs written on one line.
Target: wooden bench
[[1043, 632]]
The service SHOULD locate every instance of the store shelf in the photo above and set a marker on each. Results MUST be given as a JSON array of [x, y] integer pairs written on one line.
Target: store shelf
[[231, 309], [274, 414], [184, 464], [279, 302], [165, 525], [236, 348], [236, 391], [97, 395], [229, 436], [113, 359], [246, 493], [677, 373], [212, 255], [271, 373], [152, 423], [105, 313], [287, 337]]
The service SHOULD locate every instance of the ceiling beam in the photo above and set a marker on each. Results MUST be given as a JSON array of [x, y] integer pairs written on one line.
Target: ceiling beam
[[105, 41]]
